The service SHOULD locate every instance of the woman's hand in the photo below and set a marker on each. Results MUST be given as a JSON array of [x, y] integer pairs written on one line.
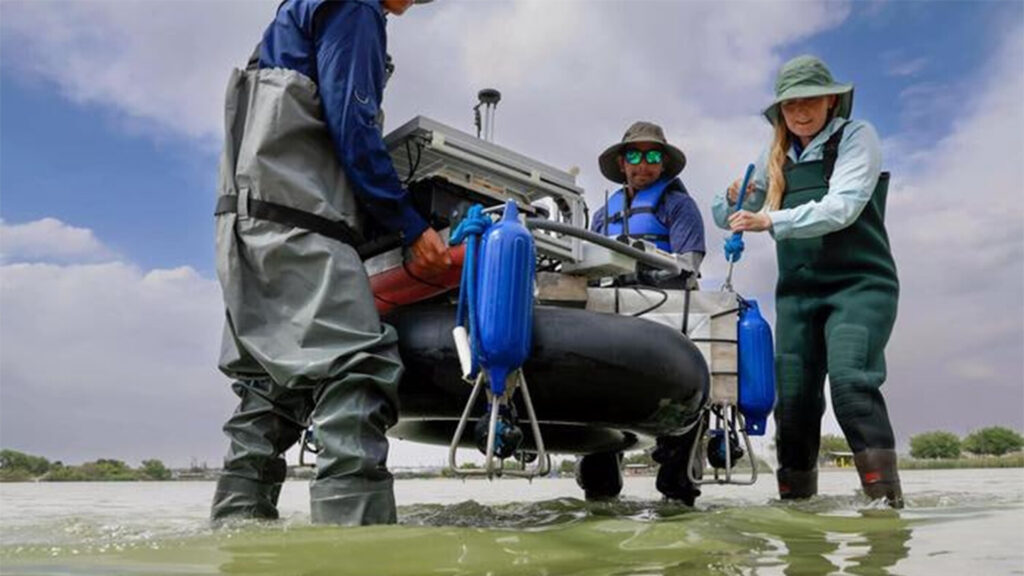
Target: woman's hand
[[734, 191], [744, 221]]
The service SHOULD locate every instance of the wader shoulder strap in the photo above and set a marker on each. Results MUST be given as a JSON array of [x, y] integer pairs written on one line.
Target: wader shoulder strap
[[831, 152], [287, 216]]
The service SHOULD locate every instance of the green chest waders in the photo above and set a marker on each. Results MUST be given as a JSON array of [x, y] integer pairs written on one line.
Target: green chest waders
[[836, 304]]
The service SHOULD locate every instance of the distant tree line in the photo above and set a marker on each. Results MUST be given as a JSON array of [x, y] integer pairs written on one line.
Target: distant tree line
[[992, 441], [20, 467]]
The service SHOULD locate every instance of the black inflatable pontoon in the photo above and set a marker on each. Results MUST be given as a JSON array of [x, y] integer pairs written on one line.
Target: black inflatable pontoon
[[599, 382]]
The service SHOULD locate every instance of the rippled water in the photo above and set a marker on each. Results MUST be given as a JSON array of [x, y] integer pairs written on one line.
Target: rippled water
[[956, 522]]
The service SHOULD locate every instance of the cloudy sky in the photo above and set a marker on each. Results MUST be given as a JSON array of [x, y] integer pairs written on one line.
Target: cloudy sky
[[110, 126]]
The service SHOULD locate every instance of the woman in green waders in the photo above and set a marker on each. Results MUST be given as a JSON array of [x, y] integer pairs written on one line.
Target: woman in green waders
[[819, 190]]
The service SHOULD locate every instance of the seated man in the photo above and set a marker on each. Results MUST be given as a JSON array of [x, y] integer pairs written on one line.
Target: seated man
[[654, 206]]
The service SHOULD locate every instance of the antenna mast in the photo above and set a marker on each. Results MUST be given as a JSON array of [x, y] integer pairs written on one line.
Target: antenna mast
[[488, 98]]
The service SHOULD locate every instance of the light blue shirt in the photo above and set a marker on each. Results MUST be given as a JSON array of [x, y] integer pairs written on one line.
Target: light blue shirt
[[856, 173]]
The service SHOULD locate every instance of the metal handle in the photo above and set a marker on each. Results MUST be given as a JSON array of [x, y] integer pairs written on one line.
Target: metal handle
[[495, 466], [733, 423]]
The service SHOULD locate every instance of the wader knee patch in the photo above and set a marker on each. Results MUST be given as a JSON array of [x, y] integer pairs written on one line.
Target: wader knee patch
[[852, 390]]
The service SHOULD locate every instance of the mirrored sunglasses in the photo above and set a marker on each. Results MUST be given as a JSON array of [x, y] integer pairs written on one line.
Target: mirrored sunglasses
[[634, 157]]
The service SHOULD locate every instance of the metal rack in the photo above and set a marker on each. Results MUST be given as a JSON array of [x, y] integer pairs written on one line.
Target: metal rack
[[423, 148]]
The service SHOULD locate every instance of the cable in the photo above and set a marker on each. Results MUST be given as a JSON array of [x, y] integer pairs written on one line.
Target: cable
[[413, 166], [664, 298]]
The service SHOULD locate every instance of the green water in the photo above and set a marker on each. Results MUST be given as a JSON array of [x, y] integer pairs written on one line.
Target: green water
[[145, 529]]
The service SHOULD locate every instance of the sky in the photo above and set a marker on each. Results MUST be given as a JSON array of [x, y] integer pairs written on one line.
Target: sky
[[110, 131]]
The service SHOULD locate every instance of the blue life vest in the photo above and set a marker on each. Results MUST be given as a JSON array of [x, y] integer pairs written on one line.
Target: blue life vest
[[639, 218]]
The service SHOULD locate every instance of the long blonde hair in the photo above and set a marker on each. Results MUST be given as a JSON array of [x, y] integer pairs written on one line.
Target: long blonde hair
[[776, 160]]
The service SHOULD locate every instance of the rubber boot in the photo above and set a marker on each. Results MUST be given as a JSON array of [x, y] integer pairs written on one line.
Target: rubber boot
[[600, 475], [353, 501], [263, 427], [673, 455], [797, 484], [242, 498], [879, 476], [353, 486]]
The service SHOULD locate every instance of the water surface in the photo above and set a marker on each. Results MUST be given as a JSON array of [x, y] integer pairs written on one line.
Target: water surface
[[956, 522]]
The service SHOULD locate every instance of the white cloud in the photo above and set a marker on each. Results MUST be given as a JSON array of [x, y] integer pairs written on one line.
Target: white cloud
[[957, 230], [901, 67], [109, 360], [164, 64], [572, 82], [159, 63], [100, 358], [50, 239]]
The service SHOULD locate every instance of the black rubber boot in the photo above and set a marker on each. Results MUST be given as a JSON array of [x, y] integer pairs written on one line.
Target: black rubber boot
[[879, 476], [600, 475], [797, 484], [673, 455]]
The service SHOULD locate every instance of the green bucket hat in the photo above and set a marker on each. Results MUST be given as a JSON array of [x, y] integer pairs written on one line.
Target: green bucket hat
[[808, 77], [641, 131]]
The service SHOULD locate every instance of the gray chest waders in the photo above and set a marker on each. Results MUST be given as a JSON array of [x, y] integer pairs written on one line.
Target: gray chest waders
[[836, 302], [303, 340]]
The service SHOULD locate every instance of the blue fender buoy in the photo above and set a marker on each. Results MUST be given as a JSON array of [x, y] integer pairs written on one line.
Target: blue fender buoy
[[504, 298], [757, 368]]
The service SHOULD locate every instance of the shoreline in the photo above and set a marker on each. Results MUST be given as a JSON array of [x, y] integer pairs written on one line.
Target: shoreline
[[1015, 461]]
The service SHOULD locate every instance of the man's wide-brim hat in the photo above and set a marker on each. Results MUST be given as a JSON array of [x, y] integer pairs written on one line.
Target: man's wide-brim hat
[[808, 77], [674, 160]]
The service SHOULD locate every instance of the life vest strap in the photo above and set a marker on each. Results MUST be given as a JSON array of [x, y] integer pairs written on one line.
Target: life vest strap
[[618, 216]]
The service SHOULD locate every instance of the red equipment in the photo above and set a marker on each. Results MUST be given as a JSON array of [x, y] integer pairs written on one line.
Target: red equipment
[[408, 283]]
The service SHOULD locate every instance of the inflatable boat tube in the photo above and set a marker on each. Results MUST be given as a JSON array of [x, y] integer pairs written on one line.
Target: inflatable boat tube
[[599, 382]]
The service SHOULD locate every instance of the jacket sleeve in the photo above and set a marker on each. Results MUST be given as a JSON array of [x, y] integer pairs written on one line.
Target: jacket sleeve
[[350, 52], [685, 224]]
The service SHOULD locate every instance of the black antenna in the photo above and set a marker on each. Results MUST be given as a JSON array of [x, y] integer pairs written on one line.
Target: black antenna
[[607, 214], [627, 210]]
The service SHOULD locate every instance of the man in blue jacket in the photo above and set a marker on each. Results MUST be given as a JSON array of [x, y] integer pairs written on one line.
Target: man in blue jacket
[[303, 165], [652, 205]]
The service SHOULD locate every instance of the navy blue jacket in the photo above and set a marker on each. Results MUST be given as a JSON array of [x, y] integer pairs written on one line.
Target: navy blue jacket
[[342, 47]]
